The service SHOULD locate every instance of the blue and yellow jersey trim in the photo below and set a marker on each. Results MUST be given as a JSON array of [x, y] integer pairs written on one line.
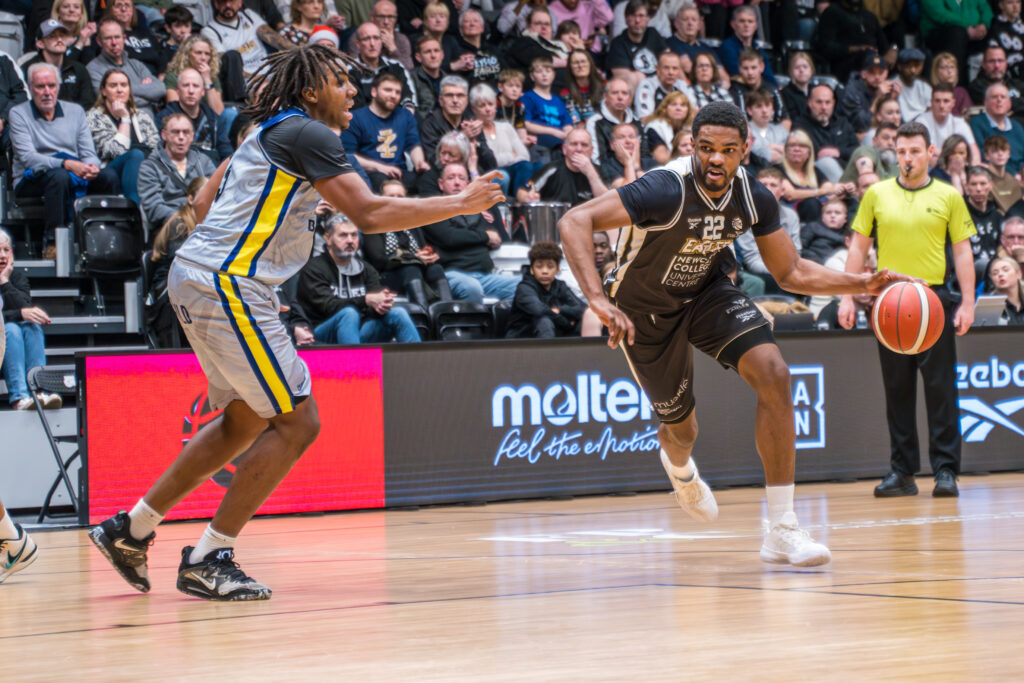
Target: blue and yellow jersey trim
[[275, 200], [253, 342], [271, 210]]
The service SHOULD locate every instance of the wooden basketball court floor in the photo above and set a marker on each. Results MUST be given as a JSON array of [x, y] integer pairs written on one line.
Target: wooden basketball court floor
[[596, 588]]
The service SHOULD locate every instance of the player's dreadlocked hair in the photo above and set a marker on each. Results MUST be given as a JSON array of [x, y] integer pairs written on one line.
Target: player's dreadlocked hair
[[279, 83], [725, 114]]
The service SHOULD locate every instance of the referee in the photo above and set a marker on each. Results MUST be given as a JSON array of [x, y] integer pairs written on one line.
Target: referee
[[914, 216]]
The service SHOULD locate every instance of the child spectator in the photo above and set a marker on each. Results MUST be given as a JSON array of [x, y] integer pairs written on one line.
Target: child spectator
[[769, 137], [510, 89], [544, 307], [821, 239], [546, 115], [178, 25], [1005, 187]]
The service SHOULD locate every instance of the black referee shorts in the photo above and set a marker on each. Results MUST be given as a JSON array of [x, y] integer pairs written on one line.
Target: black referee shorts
[[721, 321]]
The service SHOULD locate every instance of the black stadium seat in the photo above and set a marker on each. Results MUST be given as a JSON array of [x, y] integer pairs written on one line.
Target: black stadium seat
[[461, 320]]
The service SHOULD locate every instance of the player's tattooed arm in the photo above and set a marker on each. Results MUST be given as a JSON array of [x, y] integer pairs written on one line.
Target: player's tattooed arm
[[274, 39]]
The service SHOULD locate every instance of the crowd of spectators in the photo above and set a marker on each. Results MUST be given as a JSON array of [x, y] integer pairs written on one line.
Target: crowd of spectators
[[567, 100]]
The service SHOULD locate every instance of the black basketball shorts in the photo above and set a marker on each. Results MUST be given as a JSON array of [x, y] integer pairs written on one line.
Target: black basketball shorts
[[721, 321]]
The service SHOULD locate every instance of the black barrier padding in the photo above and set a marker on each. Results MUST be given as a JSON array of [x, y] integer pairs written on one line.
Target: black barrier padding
[[443, 443]]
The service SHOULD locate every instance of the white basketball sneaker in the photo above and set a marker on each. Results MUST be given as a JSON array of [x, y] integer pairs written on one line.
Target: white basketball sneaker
[[16, 553], [787, 543], [694, 496]]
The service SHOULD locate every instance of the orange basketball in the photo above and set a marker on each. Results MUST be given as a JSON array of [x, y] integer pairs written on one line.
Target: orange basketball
[[908, 317]]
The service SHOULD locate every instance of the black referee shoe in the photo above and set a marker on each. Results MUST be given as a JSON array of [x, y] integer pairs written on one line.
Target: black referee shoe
[[124, 553], [896, 484], [945, 485], [218, 577]]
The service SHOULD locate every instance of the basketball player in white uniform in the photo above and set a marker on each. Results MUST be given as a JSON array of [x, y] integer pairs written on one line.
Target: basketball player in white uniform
[[255, 231]]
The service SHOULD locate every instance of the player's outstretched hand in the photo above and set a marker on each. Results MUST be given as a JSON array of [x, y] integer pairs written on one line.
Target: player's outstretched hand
[[619, 325], [481, 194], [876, 282]]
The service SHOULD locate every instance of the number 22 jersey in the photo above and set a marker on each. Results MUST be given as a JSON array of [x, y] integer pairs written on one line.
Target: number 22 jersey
[[679, 239]]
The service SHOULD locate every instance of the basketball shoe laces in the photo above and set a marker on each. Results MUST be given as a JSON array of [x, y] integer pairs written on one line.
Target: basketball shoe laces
[[789, 533], [225, 564]]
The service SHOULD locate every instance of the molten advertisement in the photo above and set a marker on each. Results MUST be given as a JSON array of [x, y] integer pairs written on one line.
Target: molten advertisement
[[143, 408]]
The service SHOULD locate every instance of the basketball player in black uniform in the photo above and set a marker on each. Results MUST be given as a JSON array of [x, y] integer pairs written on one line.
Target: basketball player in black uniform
[[670, 290], [255, 231]]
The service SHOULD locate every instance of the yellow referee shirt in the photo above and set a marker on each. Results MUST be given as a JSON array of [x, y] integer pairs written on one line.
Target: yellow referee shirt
[[911, 226]]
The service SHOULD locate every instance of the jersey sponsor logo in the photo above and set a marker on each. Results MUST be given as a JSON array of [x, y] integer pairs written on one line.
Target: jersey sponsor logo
[[736, 305], [674, 403], [387, 149], [704, 247], [978, 417]]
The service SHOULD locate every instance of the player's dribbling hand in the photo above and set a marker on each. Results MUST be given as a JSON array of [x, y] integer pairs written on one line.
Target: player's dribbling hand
[[878, 281], [620, 327], [482, 194]]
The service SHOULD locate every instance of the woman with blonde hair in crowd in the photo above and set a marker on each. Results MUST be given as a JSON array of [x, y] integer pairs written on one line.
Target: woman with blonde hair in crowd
[[305, 15], [168, 240], [585, 89], [1006, 279], [71, 13], [672, 115], [197, 53], [436, 20], [803, 182], [123, 135], [946, 69]]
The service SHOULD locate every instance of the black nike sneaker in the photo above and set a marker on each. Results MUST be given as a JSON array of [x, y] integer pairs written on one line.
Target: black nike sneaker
[[218, 577], [125, 554]]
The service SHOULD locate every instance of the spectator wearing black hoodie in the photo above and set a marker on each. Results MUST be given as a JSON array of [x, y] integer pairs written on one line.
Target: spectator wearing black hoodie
[[544, 307], [821, 239]]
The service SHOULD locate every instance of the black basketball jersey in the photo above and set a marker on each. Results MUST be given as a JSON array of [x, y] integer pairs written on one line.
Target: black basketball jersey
[[679, 241]]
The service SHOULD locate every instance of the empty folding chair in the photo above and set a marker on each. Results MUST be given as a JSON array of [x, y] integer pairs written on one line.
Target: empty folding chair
[[56, 379]]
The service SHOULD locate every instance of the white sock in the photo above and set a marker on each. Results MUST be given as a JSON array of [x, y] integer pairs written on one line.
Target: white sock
[[7, 530], [684, 473], [210, 540], [780, 501], [144, 520]]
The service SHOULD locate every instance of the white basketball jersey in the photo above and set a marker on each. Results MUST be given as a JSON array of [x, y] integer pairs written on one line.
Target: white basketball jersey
[[261, 222]]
